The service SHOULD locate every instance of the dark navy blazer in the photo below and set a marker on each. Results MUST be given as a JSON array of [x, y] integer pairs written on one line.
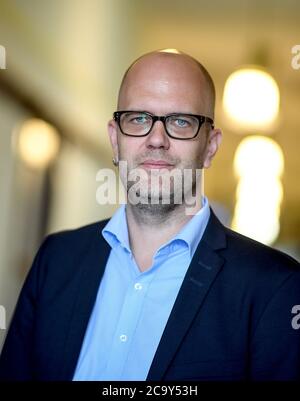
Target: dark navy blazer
[[232, 318]]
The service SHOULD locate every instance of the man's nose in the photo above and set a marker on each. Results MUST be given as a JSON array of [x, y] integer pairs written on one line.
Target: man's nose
[[158, 137]]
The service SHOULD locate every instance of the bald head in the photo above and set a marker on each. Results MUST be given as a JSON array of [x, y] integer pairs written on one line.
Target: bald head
[[164, 68]]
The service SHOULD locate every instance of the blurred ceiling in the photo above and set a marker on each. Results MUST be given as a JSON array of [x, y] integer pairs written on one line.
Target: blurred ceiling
[[68, 56]]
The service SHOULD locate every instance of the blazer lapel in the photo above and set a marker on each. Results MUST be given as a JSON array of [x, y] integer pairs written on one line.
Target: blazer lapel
[[92, 269], [202, 271]]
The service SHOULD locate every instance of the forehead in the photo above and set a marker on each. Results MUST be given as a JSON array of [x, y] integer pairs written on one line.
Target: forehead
[[164, 81]]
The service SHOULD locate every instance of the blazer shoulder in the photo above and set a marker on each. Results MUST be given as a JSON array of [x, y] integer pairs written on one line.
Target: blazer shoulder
[[61, 253], [68, 247], [255, 253], [82, 235]]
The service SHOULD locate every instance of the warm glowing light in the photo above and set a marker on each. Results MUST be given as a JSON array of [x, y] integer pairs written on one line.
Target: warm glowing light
[[37, 143], [251, 99], [272, 191], [258, 155], [259, 225], [258, 164]]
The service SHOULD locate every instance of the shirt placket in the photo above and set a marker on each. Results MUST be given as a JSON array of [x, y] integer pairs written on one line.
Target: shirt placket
[[128, 321]]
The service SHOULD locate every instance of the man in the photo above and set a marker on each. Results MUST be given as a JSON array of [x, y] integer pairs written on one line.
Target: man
[[158, 293]]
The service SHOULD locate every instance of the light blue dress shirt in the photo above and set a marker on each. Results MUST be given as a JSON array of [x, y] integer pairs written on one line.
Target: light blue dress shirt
[[132, 307]]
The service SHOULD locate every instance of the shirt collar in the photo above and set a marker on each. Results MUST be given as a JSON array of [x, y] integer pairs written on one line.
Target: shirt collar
[[116, 231], [192, 232]]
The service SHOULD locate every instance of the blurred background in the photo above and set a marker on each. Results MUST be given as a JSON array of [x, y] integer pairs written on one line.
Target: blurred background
[[61, 63]]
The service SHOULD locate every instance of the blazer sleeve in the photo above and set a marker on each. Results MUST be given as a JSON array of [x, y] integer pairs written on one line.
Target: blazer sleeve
[[16, 360], [275, 345]]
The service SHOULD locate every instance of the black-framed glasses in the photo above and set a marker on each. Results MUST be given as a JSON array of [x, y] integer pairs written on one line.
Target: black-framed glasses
[[177, 125]]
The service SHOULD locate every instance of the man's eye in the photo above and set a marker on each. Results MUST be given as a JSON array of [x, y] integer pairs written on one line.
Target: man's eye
[[139, 120], [181, 122]]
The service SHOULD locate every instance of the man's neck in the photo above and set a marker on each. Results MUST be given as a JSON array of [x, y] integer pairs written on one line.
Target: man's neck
[[151, 226]]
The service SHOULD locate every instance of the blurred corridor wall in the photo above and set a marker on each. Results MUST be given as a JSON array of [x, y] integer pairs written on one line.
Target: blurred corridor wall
[[21, 198], [73, 194]]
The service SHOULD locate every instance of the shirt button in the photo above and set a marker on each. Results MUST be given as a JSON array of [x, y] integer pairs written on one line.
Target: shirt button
[[138, 286], [123, 337]]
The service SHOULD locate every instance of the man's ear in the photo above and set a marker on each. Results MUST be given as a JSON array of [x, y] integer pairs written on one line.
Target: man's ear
[[112, 129], [213, 143]]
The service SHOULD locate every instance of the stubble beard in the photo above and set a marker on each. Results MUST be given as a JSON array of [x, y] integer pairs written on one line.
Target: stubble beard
[[158, 204]]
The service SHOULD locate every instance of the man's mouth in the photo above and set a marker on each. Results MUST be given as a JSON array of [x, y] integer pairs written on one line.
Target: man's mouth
[[156, 164]]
